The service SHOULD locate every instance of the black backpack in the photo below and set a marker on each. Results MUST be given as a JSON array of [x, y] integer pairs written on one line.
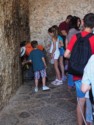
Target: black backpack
[[80, 55]]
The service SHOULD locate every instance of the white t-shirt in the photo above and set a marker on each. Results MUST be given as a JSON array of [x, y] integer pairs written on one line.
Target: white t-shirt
[[57, 52], [87, 95], [88, 76]]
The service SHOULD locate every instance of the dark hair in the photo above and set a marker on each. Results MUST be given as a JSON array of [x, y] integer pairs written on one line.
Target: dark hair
[[74, 23], [89, 20], [69, 17], [57, 28], [79, 19], [23, 43], [34, 44], [54, 30]]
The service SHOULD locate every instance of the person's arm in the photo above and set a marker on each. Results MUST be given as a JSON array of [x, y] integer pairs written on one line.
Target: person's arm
[[29, 59], [85, 87], [87, 77], [70, 47], [66, 43], [54, 48], [68, 38], [85, 82], [43, 59], [25, 62], [67, 53]]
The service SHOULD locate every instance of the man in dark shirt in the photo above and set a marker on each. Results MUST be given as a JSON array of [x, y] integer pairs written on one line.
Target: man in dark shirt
[[64, 26]]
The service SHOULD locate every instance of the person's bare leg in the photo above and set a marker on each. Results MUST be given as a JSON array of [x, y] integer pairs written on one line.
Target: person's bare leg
[[36, 82], [61, 65], [44, 88], [44, 81], [88, 123], [57, 69], [82, 106], [36, 85]]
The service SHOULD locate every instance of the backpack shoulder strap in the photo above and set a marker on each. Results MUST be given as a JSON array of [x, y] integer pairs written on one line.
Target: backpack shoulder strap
[[78, 35], [89, 35]]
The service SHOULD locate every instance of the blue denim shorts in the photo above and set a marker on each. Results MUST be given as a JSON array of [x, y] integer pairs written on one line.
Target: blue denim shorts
[[89, 117], [79, 93], [61, 51], [70, 80]]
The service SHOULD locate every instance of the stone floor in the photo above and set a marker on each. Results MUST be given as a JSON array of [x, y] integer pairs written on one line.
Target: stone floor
[[54, 107]]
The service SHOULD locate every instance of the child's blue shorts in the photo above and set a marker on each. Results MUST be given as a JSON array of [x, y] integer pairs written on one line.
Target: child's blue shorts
[[61, 51]]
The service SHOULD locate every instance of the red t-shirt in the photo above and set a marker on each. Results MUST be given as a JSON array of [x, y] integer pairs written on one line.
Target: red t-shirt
[[64, 26], [72, 42]]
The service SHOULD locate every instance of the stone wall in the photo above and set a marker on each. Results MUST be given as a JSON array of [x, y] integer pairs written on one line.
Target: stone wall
[[24, 20], [13, 28], [45, 13], [15, 18]]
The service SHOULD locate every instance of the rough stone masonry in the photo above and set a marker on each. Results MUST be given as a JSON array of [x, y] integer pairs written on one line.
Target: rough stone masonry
[[27, 20], [45, 13], [14, 27]]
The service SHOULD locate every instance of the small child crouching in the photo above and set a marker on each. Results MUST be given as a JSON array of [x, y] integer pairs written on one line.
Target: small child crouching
[[37, 59]]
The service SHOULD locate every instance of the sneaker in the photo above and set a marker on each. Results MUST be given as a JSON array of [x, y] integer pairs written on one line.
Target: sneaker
[[36, 89], [58, 83], [53, 82], [44, 88]]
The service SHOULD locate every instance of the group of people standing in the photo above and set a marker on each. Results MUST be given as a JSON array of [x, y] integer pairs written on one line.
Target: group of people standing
[[60, 37], [81, 82], [63, 39]]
